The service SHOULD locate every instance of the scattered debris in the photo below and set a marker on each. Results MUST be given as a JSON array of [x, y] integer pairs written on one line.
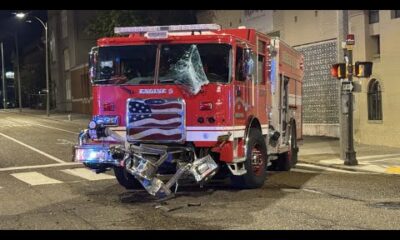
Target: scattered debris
[[387, 205], [194, 204], [168, 209]]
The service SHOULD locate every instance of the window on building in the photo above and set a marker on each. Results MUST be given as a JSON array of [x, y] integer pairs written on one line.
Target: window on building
[[66, 59], [376, 46], [395, 13], [68, 89], [373, 16], [295, 18], [316, 13], [64, 24], [374, 100]]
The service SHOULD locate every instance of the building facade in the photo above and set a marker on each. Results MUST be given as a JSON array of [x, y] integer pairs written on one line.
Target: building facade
[[377, 34], [318, 34], [69, 47]]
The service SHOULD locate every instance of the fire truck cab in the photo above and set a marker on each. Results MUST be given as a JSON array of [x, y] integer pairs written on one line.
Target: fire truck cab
[[194, 101]]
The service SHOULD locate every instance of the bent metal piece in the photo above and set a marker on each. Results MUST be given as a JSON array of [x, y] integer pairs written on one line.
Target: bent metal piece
[[145, 169]]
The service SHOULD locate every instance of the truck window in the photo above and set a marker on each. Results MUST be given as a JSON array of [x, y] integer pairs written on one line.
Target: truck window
[[245, 64], [125, 64], [186, 63]]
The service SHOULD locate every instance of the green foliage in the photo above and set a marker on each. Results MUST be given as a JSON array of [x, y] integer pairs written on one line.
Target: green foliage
[[103, 25]]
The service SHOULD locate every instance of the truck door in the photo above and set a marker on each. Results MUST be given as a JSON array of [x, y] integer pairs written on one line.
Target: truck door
[[244, 84]]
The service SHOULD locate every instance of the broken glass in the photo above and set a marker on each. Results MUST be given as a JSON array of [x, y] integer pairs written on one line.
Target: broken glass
[[189, 71]]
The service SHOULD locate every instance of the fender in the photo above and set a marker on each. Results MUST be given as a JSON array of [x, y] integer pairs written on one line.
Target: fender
[[252, 122]]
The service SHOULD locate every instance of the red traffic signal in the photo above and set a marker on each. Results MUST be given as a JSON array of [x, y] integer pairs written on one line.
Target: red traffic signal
[[339, 70], [363, 69]]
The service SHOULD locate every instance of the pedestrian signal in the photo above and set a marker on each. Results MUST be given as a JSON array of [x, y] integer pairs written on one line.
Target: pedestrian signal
[[339, 70], [363, 69]]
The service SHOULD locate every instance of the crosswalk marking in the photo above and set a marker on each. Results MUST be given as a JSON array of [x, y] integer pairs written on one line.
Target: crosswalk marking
[[35, 178], [321, 168], [87, 174]]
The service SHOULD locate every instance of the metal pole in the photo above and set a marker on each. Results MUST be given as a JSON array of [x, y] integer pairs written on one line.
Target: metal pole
[[3, 77], [342, 33], [350, 153], [47, 74], [18, 75]]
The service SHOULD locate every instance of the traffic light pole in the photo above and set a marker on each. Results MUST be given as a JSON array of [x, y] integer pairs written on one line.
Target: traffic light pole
[[350, 158]]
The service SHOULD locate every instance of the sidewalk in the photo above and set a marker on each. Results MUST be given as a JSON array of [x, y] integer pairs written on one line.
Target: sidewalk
[[81, 119], [324, 151]]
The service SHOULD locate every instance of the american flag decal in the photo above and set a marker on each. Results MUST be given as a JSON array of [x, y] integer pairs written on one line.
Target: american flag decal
[[155, 120]]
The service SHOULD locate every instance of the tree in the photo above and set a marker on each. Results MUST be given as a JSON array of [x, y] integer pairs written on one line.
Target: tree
[[103, 25]]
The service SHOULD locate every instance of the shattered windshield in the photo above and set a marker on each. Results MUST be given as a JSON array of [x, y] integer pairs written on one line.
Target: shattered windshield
[[125, 64], [191, 65], [194, 65]]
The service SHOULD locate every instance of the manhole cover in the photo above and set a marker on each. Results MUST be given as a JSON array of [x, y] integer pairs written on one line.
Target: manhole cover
[[390, 205]]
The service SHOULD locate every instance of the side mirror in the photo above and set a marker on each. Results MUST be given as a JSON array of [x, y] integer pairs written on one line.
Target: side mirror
[[93, 55], [248, 62]]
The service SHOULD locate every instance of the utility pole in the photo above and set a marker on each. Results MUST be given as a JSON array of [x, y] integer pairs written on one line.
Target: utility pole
[[3, 76], [18, 75], [47, 72], [345, 72], [343, 30], [350, 156]]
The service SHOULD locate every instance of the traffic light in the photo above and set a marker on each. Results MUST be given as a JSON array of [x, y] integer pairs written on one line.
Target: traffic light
[[363, 69], [339, 70]]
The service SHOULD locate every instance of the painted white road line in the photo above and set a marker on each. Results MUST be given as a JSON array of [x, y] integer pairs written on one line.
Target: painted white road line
[[38, 166], [33, 149], [87, 174], [37, 124], [324, 168], [35, 178]]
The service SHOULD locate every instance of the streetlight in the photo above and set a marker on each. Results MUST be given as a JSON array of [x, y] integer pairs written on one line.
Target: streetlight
[[22, 16]]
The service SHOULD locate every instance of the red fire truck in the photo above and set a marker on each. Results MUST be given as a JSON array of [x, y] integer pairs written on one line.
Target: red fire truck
[[192, 102]]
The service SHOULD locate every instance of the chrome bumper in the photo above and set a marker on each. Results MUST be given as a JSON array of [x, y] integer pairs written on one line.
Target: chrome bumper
[[94, 156]]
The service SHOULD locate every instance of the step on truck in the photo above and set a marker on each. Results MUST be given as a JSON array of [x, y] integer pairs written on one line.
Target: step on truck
[[192, 102]]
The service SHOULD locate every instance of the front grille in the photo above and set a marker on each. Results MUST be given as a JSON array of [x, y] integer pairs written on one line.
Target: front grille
[[155, 120]]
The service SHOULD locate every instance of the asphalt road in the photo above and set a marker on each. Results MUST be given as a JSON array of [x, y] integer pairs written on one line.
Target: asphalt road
[[41, 189]]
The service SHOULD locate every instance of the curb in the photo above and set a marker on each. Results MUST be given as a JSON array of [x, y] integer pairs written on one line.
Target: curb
[[41, 116]]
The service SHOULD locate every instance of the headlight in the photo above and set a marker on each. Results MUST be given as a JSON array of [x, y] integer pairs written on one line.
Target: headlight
[[92, 154]]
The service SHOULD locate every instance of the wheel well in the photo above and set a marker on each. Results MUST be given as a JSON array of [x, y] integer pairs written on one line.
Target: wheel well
[[252, 123]]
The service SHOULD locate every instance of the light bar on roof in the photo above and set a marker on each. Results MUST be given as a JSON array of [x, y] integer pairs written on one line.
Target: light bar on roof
[[170, 28]]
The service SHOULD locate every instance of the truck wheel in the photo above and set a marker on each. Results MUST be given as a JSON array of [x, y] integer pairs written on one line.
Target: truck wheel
[[288, 159], [126, 180], [255, 164]]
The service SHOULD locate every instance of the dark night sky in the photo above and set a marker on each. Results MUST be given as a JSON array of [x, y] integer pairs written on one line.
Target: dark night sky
[[27, 32]]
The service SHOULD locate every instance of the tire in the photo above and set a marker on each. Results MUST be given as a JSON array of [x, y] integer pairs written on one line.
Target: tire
[[126, 180], [288, 159], [256, 174]]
